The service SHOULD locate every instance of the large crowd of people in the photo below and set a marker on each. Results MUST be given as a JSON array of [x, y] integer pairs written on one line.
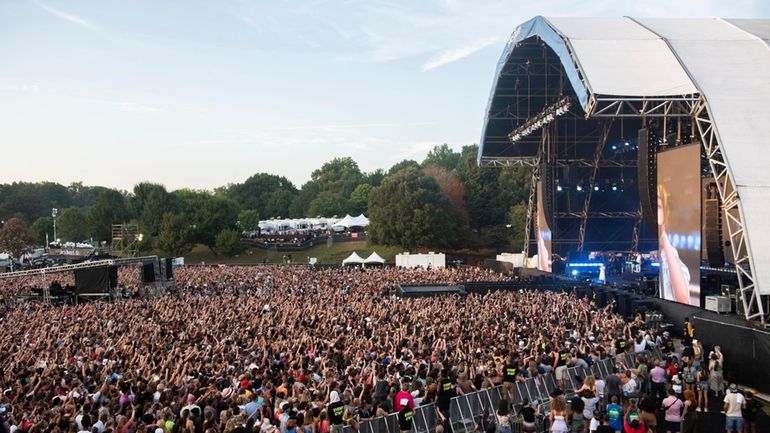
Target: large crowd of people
[[255, 349]]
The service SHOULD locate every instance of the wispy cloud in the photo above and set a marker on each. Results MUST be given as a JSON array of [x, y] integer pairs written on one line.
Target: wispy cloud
[[415, 151], [452, 55], [66, 16]]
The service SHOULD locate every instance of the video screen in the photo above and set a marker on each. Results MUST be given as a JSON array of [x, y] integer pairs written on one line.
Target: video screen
[[543, 234], [679, 224]]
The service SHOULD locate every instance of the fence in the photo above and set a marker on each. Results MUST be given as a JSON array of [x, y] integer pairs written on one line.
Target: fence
[[465, 412], [424, 421]]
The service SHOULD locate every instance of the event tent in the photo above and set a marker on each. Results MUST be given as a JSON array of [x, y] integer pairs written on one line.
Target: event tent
[[353, 258], [349, 221], [374, 258]]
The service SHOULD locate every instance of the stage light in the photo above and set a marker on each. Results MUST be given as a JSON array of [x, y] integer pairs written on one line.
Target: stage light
[[596, 188], [558, 188], [579, 188], [547, 116], [574, 272], [626, 143], [614, 147], [614, 188]]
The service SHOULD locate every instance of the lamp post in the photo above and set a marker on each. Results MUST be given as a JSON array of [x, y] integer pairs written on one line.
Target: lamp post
[[54, 212]]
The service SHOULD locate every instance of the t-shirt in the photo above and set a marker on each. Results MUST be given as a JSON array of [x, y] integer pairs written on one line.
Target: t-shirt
[[605, 429], [620, 345], [673, 407], [528, 413], [750, 411], [594, 425], [401, 400], [509, 372], [658, 375], [589, 406], [734, 402], [405, 419], [446, 390], [335, 411], [615, 415], [563, 357]]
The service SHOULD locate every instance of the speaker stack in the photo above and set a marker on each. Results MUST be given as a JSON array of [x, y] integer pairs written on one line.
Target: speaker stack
[[712, 217], [648, 194]]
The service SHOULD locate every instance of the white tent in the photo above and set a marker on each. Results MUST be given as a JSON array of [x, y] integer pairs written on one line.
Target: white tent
[[359, 221], [374, 258], [353, 259], [344, 222]]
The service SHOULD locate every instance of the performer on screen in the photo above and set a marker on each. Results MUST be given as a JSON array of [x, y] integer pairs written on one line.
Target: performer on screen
[[674, 275]]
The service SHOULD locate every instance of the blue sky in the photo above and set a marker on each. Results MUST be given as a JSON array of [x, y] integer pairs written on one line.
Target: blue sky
[[201, 93]]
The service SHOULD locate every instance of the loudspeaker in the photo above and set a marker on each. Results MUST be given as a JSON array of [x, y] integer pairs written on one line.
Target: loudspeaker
[[712, 222], [113, 277], [148, 273], [648, 193], [169, 269]]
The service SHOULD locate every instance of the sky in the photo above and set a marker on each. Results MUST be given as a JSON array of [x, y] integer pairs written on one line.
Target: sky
[[199, 94]]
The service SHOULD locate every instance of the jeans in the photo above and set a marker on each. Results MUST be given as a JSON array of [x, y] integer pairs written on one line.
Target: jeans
[[734, 423]]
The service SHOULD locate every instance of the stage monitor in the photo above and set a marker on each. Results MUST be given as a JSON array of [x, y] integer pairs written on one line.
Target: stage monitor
[[679, 224], [543, 233]]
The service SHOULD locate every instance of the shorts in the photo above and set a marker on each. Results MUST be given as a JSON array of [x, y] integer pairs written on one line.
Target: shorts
[[703, 385], [734, 423], [673, 426], [561, 372], [649, 419]]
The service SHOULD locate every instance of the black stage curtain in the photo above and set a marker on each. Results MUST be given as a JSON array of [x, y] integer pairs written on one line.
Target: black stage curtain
[[92, 280]]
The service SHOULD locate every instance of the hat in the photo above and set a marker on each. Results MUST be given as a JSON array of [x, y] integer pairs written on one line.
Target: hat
[[227, 393], [666, 334], [733, 387], [190, 398]]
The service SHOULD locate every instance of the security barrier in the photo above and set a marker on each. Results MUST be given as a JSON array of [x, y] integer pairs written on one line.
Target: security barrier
[[424, 421]]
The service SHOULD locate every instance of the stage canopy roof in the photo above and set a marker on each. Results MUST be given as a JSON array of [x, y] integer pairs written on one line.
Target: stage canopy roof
[[726, 61]]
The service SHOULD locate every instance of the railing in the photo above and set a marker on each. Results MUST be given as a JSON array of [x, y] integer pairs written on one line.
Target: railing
[[465, 411], [424, 421]]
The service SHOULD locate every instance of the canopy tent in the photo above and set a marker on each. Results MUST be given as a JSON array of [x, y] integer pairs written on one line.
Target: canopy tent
[[354, 258], [374, 258], [349, 221]]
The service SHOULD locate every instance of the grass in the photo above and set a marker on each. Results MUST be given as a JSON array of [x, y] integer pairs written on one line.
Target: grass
[[326, 255]]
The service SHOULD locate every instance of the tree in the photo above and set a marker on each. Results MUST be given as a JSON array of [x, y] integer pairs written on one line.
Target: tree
[[268, 194], [359, 199], [449, 184], [149, 203], [442, 156], [84, 196], [340, 176], [482, 194], [375, 178], [32, 200], [174, 235], [109, 208], [328, 203], [207, 215], [71, 225], [249, 219], [228, 243], [402, 165], [15, 237], [41, 227], [517, 217], [409, 210]]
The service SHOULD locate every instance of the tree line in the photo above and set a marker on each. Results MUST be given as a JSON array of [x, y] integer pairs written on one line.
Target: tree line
[[445, 201]]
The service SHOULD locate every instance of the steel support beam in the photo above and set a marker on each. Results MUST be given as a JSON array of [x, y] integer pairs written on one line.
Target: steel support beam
[[598, 149], [675, 106]]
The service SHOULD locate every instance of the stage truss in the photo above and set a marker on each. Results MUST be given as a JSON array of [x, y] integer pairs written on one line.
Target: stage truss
[[694, 107]]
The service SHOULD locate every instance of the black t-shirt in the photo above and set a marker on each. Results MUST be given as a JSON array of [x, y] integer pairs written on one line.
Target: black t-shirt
[[509, 372], [335, 411], [620, 345], [563, 358], [605, 429], [446, 390], [528, 414], [405, 419]]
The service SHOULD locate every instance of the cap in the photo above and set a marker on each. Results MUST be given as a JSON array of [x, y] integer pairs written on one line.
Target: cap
[[733, 387]]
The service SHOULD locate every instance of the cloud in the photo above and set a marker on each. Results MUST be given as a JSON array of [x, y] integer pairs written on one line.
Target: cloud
[[416, 151], [21, 88], [68, 17], [452, 55], [133, 107]]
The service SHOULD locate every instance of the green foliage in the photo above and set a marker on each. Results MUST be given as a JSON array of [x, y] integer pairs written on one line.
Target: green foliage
[[32, 200], [359, 200], [374, 178], [228, 243], [174, 235], [482, 194], [207, 215], [517, 217], [442, 156], [328, 203], [403, 165], [109, 208], [15, 237], [340, 176], [40, 227], [149, 203], [410, 210], [248, 219], [84, 196], [268, 194], [71, 225]]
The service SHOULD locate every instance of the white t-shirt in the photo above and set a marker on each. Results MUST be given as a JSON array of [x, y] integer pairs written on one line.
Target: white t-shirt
[[593, 425], [734, 402]]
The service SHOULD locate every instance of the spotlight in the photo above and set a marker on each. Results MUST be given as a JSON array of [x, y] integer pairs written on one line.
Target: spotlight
[[579, 188], [558, 188], [614, 147], [626, 144], [596, 188], [614, 187], [574, 272]]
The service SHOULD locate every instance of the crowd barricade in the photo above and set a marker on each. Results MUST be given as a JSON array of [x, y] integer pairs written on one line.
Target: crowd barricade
[[424, 421], [465, 411]]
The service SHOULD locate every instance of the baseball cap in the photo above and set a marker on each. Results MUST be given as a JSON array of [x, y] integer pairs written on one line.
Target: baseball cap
[[733, 387]]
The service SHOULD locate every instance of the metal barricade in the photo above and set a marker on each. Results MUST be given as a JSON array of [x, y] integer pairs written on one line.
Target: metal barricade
[[425, 419], [383, 424]]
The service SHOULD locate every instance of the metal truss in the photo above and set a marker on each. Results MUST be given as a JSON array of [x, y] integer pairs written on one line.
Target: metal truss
[[532, 161], [77, 266], [731, 205], [675, 106], [598, 149], [600, 214]]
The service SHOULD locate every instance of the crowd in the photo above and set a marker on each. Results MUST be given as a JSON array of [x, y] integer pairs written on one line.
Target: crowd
[[291, 349]]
